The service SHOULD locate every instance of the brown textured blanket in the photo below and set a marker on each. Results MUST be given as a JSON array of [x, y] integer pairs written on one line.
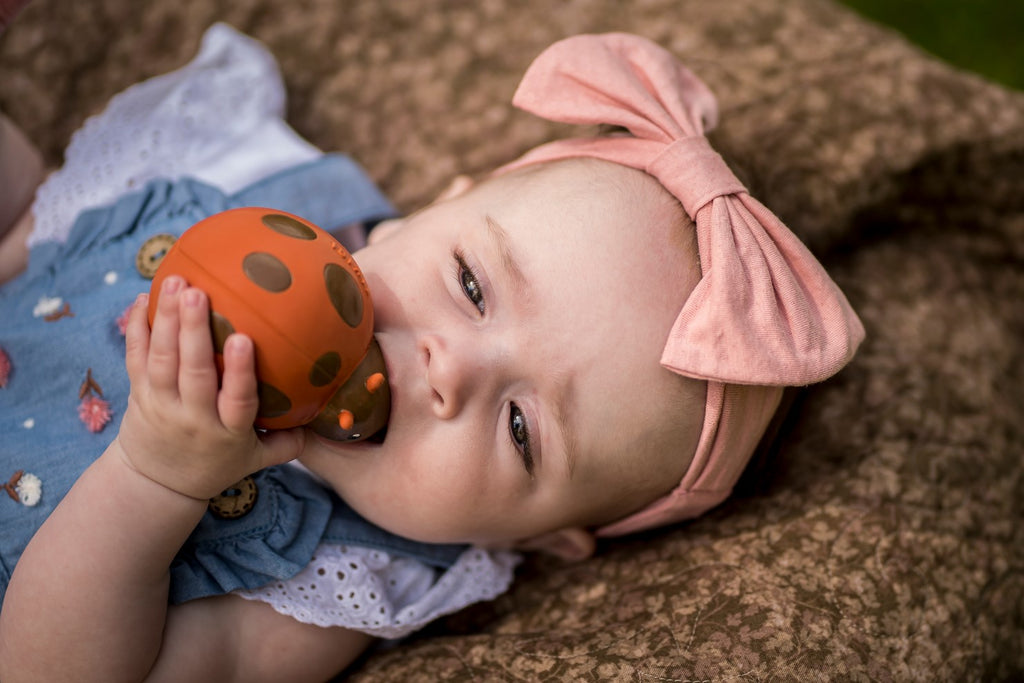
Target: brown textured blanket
[[883, 539]]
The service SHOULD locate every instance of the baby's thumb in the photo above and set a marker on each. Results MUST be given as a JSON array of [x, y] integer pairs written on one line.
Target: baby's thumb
[[281, 446]]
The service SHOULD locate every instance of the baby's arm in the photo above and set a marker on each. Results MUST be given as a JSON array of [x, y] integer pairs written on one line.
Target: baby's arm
[[21, 171], [88, 599]]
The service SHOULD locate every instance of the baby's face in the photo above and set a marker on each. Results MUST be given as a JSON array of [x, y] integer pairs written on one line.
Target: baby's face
[[522, 324]]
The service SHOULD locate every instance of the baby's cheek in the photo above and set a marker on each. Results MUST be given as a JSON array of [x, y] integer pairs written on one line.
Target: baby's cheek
[[460, 503]]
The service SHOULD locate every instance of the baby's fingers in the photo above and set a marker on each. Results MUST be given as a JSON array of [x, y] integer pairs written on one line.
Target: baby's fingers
[[238, 401], [279, 447], [162, 365], [136, 339], [197, 376]]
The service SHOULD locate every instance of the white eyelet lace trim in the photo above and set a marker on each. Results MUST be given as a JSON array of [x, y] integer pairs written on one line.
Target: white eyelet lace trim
[[368, 591], [217, 119]]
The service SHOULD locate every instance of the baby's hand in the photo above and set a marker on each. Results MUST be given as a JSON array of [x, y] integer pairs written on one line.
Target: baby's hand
[[180, 430]]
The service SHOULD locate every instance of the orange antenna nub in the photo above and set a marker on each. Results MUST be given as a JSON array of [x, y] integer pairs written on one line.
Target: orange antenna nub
[[375, 382]]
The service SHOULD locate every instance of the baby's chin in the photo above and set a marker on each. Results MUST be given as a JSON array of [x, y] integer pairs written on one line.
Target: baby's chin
[[324, 466]]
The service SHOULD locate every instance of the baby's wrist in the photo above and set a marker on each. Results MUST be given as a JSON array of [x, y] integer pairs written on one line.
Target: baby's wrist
[[131, 475]]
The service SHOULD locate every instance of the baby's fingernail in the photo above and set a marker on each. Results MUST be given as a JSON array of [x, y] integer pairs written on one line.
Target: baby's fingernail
[[142, 299], [237, 343], [192, 298], [173, 284]]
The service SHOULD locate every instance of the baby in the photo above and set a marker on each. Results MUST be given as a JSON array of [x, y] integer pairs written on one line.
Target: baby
[[536, 403]]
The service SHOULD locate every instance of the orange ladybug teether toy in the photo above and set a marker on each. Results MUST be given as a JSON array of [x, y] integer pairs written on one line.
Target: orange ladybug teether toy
[[302, 299]]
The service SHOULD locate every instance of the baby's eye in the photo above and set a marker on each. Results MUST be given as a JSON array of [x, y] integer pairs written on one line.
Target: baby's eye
[[469, 283], [519, 430]]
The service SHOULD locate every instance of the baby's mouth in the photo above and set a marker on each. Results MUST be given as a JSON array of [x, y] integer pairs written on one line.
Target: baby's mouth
[[360, 408], [378, 436]]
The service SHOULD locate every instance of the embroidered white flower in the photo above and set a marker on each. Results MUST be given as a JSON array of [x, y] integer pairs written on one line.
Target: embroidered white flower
[[111, 277], [29, 488], [46, 306]]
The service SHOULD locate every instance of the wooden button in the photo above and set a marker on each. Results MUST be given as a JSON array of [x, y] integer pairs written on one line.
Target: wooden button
[[235, 501], [151, 253]]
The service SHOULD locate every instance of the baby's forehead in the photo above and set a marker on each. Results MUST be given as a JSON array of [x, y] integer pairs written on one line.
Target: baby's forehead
[[583, 174], [646, 220], [582, 186]]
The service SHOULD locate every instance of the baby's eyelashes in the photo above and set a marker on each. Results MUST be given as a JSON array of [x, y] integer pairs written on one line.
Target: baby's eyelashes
[[469, 282], [519, 431]]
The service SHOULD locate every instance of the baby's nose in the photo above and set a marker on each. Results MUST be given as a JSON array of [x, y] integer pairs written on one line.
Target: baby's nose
[[452, 373]]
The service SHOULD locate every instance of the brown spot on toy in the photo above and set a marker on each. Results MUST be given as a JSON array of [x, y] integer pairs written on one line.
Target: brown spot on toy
[[344, 293], [325, 369], [222, 329], [267, 271], [273, 401], [288, 226]]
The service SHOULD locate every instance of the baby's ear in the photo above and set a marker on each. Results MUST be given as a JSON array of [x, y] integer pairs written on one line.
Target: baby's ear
[[571, 544], [459, 185]]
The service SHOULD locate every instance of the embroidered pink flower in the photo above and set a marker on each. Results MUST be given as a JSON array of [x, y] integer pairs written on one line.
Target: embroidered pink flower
[[5, 368], [94, 412], [122, 320]]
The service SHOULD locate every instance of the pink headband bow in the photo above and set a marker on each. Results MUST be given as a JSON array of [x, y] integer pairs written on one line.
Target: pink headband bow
[[764, 313]]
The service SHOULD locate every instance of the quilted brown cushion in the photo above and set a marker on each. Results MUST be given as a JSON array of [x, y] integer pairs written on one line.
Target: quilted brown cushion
[[883, 541]]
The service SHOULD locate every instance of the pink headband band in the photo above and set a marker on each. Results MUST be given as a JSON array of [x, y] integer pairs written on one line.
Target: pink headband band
[[764, 314]]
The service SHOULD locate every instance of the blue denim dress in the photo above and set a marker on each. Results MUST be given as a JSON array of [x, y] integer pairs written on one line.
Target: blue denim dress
[[59, 330]]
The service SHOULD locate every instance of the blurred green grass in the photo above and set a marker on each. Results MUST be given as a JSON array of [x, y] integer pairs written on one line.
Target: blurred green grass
[[984, 36]]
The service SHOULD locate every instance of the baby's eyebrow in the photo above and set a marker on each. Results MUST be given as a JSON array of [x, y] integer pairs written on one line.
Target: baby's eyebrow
[[563, 418], [509, 263], [563, 384]]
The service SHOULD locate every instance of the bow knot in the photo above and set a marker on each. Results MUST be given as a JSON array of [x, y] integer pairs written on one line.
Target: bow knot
[[694, 172]]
